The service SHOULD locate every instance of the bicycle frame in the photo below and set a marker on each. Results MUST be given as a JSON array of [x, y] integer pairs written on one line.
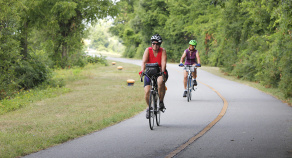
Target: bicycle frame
[[189, 69]]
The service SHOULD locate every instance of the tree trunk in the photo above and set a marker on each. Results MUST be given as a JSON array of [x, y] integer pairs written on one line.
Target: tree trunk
[[24, 40], [64, 50]]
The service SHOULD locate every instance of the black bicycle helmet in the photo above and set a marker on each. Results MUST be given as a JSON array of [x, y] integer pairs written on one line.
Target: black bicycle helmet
[[157, 38]]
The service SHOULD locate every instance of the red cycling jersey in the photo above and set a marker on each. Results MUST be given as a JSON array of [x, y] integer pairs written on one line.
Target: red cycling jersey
[[152, 58]]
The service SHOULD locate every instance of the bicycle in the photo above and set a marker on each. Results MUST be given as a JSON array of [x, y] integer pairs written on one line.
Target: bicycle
[[190, 87], [154, 113]]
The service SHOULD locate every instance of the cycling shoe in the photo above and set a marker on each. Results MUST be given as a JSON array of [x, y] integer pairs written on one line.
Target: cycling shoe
[[185, 94], [162, 107]]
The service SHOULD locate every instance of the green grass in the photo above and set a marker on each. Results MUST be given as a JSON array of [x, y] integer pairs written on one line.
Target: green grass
[[94, 98], [271, 91], [24, 98]]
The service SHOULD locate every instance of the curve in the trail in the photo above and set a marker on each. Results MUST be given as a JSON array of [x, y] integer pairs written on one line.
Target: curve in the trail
[[207, 128]]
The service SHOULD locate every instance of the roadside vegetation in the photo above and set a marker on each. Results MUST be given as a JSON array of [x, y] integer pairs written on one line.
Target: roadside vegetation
[[37, 37], [251, 40], [95, 97]]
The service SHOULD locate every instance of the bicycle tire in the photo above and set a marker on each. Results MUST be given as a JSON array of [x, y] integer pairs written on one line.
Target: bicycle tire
[[190, 94], [157, 111], [151, 110], [189, 86]]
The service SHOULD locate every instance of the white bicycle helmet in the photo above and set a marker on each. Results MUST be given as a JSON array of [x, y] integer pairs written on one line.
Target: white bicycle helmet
[[157, 38]]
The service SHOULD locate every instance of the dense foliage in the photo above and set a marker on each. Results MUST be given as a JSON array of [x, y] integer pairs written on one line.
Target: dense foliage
[[38, 35], [248, 39]]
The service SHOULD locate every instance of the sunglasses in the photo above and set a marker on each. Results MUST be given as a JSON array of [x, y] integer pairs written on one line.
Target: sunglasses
[[191, 45], [156, 44]]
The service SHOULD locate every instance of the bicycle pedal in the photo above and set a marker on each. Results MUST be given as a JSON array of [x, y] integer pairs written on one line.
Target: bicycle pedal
[[163, 110]]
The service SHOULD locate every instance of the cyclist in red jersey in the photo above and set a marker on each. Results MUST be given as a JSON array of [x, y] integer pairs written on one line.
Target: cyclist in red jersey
[[155, 54]]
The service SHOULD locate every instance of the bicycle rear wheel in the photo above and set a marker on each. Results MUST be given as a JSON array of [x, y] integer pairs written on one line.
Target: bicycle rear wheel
[[151, 110], [157, 111]]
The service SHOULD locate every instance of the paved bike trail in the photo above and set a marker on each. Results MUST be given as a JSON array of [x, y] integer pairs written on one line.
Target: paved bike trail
[[255, 125]]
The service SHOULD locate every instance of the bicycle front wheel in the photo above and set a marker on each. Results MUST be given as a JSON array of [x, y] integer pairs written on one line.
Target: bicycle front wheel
[[157, 111], [190, 94], [151, 110], [189, 89]]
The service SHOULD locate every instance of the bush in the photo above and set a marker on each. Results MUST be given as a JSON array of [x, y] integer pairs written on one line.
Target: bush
[[97, 59], [77, 59], [7, 82], [140, 50], [31, 72], [130, 52]]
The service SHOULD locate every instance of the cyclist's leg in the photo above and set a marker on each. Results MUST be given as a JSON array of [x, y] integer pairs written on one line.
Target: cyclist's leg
[[147, 96], [147, 89], [147, 93], [185, 79], [194, 74], [185, 83], [161, 91], [161, 88]]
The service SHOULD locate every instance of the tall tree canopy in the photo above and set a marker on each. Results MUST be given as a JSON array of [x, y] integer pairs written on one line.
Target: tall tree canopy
[[68, 19], [249, 39], [36, 35]]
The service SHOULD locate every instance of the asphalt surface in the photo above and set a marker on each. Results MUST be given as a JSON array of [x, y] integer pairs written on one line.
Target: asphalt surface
[[254, 125]]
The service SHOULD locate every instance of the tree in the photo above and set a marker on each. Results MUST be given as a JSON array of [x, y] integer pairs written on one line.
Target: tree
[[9, 46], [248, 39], [66, 21]]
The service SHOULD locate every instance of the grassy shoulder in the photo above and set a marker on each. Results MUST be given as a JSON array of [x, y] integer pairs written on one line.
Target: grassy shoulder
[[271, 91], [94, 97]]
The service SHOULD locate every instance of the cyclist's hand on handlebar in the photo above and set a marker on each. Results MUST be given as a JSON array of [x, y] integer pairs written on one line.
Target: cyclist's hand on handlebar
[[198, 65], [140, 73], [181, 65], [163, 73]]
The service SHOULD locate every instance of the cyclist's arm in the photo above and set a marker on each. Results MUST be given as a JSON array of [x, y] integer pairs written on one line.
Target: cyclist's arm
[[198, 58], [163, 60], [145, 59], [183, 57]]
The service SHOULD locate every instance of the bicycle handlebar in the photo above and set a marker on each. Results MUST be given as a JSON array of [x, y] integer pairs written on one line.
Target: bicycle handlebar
[[158, 74], [196, 66], [189, 66], [142, 74]]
